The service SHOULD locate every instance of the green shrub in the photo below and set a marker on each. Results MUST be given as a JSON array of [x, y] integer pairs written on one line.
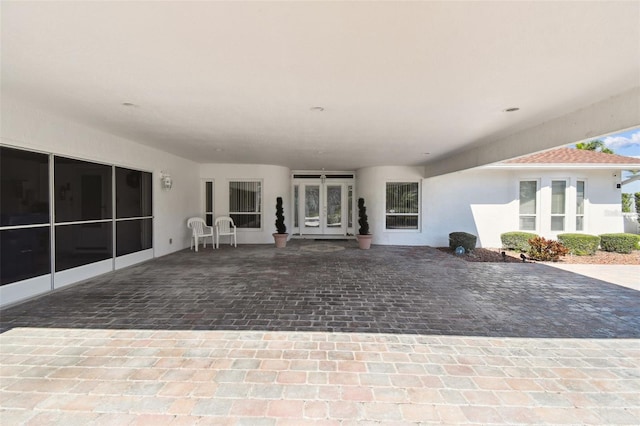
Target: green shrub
[[580, 244], [546, 250], [517, 240], [464, 239], [620, 243]]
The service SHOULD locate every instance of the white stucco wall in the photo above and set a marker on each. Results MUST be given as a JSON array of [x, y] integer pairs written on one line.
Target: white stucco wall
[[603, 210], [473, 202], [371, 185], [28, 128], [276, 182], [485, 202]]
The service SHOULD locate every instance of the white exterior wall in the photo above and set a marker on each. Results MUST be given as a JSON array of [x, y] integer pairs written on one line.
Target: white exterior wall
[[603, 209], [478, 202], [371, 185], [27, 128], [485, 202], [276, 182]]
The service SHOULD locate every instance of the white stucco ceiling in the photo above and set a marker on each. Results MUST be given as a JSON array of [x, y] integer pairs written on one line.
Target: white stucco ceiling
[[236, 82]]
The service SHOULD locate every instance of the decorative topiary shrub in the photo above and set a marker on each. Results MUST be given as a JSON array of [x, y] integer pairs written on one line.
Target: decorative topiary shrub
[[546, 250], [619, 243], [580, 244], [363, 219], [280, 226], [464, 239], [517, 240]]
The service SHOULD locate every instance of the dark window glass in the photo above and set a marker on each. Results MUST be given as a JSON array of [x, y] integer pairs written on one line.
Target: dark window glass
[[246, 220], [24, 187], [339, 176], [133, 193], [307, 176], [24, 253], [209, 196], [402, 222], [296, 190], [82, 190], [81, 244], [133, 236], [350, 206]]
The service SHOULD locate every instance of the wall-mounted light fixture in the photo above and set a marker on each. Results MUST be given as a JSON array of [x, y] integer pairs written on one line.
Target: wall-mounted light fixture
[[165, 180]]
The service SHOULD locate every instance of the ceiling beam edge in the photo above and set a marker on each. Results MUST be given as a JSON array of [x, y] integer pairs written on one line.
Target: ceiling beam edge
[[611, 115]]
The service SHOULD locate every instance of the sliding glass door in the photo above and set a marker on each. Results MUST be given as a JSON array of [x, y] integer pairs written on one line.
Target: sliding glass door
[[134, 217], [101, 215], [25, 224]]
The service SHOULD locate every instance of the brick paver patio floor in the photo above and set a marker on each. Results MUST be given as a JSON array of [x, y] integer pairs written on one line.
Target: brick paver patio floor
[[323, 333]]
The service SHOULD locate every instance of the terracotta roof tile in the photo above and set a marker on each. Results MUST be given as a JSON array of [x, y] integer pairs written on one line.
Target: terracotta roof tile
[[573, 156]]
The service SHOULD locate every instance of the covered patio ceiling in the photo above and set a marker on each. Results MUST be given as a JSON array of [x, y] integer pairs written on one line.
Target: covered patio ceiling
[[335, 85]]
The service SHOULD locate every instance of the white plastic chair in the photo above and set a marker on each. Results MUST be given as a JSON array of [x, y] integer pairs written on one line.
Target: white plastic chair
[[199, 229], [225, 226]]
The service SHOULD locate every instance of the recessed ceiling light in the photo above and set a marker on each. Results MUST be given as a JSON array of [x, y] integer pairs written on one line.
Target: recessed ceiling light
[[426, 153], [129, 104], [317, 109], [512, 109]]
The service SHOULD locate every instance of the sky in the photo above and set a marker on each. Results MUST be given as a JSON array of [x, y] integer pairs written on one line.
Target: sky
[[628, 144], [625, 143]]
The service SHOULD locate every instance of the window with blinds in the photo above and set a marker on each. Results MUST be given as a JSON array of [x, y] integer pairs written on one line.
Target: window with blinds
[[245, 204], [528, 205], [402, 205], [580, 197], [558, 204]]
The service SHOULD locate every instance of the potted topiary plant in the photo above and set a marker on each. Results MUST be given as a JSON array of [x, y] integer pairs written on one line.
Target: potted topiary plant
[[364, 237], [281, 235]]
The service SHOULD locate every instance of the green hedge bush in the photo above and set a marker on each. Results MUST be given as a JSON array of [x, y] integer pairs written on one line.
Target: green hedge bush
[[619, 243], [464, 239], [580, 244], [546, 250], [517, 240]]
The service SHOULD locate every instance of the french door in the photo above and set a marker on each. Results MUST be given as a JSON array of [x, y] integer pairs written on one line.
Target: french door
[[323, 206]]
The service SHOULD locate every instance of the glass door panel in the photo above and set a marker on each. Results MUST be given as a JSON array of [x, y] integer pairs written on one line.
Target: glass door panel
[[333, 204], [312, 209]]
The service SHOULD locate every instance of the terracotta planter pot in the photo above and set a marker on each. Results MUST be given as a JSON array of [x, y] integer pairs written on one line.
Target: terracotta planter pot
[[364, 241], [281, 240]]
